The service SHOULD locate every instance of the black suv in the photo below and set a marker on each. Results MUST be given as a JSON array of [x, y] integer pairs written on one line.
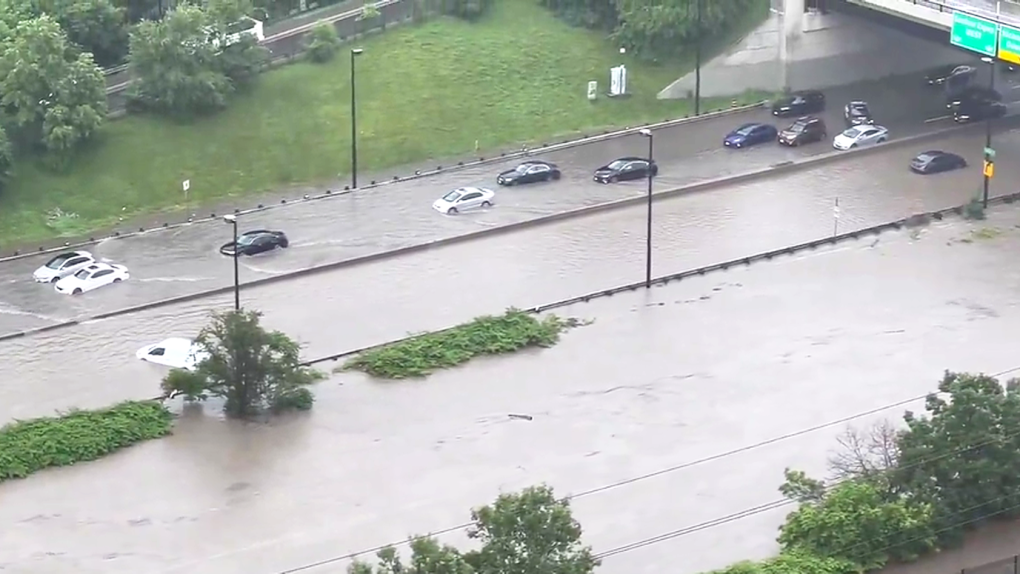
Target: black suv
[[797, 103], [973, 110], [857, 113], [803, 131], [973, 95]]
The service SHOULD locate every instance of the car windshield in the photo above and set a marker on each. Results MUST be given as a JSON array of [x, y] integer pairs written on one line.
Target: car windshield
[[745, 130], [246, 239], [798, 127], [618, 164], [83, 274], [452, 196], [852, 133], [523, 167], [57, 261]]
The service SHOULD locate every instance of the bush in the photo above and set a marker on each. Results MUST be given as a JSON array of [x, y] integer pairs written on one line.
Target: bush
[[974, 209], [323, 43], [466, 9], [29, 446], [420, 355]]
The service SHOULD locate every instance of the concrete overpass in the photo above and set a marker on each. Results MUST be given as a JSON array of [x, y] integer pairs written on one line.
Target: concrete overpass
[[827, 43]]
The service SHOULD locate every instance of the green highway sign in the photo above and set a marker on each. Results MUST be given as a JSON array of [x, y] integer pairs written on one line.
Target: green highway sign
[[1009, 44], [974, 34], [989, 153]]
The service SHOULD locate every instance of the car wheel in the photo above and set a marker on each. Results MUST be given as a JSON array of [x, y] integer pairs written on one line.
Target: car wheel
[[76, 292], [117, 280], [486, 204], [451, 211], [881, 140], [556, 175], [614, 179], [853, 145], [55, 279]]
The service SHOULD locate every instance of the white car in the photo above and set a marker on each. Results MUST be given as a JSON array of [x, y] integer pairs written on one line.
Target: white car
[[92, 277], [173, 352], [63, 265], [234, 32], [464, 198], [860, 136]]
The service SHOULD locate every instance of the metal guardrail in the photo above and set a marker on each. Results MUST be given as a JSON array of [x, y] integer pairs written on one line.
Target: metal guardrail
[[1009, 565]]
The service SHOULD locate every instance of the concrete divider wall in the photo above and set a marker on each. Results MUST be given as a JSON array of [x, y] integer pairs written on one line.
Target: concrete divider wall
[[708, 185], [912, 221], [585, 139]]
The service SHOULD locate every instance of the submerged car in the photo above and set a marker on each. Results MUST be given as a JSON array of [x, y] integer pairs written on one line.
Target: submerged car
[[624, 169], [803, 131], [256, 241], [938, 76], [62, 265], [936, 161], [529, 172], [92, 277], [972, 111], [860, 136], [174, 352], [748, 135], [973, 95], [463, 199], [798, 103], [857, 113]]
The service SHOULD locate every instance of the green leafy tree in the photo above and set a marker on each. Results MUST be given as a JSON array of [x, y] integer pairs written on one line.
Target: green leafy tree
[[53, 96], [242, 60], [427, 557], [6, 157], [964, 456], [96, 26], [855, 522], [323, 43], [252, 369]]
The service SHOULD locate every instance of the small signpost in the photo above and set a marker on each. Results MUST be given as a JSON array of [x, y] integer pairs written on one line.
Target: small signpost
[[593, 90], [186, 186], [618, 81], [989, 170]]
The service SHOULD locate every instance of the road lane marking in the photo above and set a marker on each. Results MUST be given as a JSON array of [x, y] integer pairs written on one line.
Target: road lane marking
[[938, 119]]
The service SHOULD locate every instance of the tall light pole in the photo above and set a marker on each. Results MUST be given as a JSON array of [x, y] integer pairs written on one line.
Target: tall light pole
[[989, 158], [232, 219], [648, 232], [355, 52], [697, 61]]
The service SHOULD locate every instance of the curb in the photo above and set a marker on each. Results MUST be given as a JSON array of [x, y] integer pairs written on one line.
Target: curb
[[912, 221], [776, 169], [503, 156]]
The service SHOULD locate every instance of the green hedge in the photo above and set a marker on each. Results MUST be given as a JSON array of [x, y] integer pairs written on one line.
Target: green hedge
[[78, 436]]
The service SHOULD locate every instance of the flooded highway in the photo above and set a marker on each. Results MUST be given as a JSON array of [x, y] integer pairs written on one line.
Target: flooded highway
[[661, 378], [377, 302], [175, 262]]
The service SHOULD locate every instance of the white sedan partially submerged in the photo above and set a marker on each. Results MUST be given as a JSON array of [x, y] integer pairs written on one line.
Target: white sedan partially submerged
[[860, 136], [463, 199], [175, 352], [92, 277], [62, 265]]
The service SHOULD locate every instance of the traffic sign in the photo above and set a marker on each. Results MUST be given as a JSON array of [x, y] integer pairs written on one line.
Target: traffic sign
[[989, 153], [989, 169], [1009, 44], [974, 34]]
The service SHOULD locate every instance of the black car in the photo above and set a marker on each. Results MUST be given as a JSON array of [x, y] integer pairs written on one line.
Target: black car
[[529, 172], [857, 113], [624, 169], [977, 110], [973, 95], [803, 131], [938, 76], [257, 241], [798, 103], [936, 161]]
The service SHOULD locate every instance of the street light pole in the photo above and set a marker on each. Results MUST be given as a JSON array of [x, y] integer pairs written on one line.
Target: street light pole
[[355, 52], [697, 62], [232, 219], [648, 232], [988, 131]]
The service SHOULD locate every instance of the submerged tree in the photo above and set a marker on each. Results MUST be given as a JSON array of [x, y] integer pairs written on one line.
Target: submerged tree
[[252, 369]]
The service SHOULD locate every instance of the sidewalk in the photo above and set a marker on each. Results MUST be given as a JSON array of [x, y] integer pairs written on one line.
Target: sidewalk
[[991, 550]]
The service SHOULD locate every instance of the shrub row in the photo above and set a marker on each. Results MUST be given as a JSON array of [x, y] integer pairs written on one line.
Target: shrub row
[[423, 354], [29, 446]]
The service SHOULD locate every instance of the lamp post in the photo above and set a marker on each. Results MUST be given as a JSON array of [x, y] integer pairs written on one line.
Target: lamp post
[[232, 219], [648, 232], [355, 52], [697, 61], [988, 132]]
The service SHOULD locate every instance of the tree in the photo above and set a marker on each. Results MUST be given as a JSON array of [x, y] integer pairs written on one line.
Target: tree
[[6, 157], [97, 26], [253, 369], [427, 557], [964, 456], [866, 453], [52, 96], [323, 42]]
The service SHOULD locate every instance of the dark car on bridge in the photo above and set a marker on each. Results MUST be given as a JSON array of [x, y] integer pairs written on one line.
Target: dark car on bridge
[[799, 103], [939, 76], [936, 161], [529, 172], [256, 241], [748, 135], [625, 168], [805, 130], [857, 113], [973, 95], [977, 110]]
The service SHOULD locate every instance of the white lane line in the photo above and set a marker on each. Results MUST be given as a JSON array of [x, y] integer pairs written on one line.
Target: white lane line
[[938, 119]]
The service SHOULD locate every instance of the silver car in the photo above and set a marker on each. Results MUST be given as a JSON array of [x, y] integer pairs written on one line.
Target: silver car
[[860, 136]]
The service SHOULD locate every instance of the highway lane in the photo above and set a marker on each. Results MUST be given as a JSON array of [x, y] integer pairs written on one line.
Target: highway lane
[[659, 379], [93, 364], [185, 260]]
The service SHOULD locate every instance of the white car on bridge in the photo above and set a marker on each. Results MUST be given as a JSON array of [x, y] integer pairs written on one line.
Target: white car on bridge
[[860, 136], [62, 265], [92, 277], [175, 352]]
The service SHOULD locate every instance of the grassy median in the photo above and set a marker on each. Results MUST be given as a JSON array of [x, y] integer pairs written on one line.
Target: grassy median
[[434, 90]]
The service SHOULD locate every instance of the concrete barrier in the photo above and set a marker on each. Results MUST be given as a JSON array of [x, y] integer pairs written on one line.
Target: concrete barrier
[[704, 270], [708, 185], [418, 174]]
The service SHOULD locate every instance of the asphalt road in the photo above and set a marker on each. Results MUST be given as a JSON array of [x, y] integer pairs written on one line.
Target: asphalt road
[[176, 262], [660, 379], [93, 364]]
